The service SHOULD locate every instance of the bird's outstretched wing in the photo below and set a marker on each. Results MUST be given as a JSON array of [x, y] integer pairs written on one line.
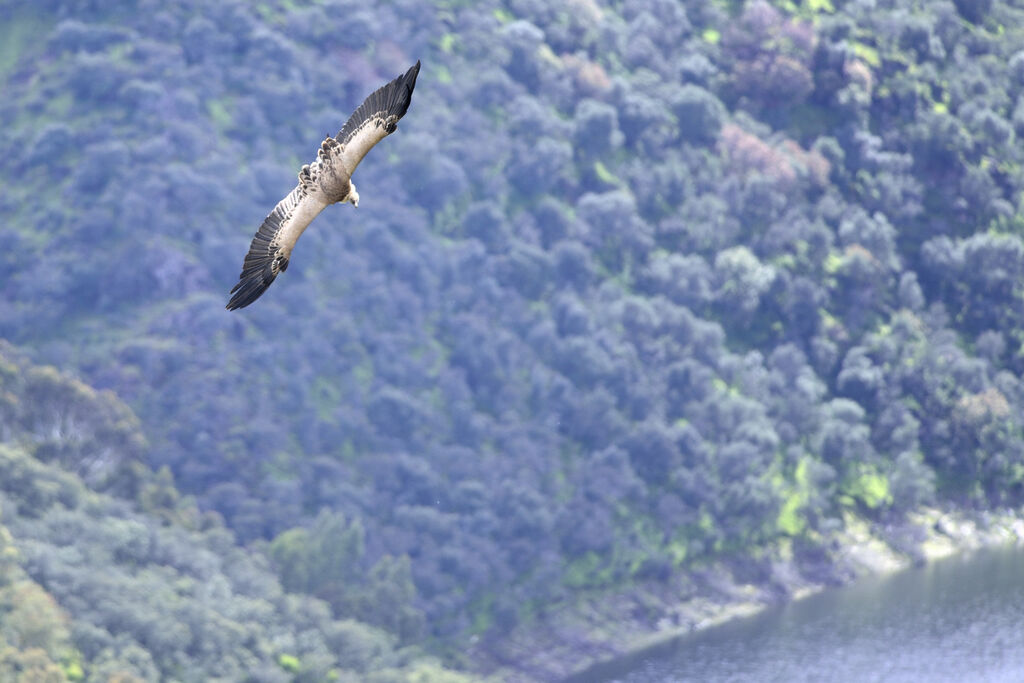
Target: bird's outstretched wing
[[376, 118], [272, 245]]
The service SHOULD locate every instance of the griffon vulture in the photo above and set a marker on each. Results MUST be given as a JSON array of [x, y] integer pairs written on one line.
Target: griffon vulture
[[328, 180]]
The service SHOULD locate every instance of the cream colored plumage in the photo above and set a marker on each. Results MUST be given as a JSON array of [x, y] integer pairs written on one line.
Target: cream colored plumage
[[326, 181]]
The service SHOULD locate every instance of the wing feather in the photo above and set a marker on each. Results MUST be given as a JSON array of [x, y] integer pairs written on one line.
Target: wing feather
[[272, 246], [376, 118]]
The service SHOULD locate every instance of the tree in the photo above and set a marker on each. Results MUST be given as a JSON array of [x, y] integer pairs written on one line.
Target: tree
[[700, 114], [596, 128], [323, 560]]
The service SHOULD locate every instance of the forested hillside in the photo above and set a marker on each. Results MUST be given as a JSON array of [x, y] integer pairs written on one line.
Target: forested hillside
[[108, 574], [636, 285]]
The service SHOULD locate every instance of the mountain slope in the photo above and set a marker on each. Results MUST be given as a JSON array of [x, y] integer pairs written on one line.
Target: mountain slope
[[637, 285], [98, 587]]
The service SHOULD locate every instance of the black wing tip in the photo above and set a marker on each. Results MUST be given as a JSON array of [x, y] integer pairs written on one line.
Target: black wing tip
[[247, 291], [252, 283], [389, 100], [405, 98], [411, 74]]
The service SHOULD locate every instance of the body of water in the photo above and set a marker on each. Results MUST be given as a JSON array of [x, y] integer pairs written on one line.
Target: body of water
[[958, 619]]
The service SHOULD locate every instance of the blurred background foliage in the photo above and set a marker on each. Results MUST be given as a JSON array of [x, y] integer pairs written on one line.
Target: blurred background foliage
[[638, 284]]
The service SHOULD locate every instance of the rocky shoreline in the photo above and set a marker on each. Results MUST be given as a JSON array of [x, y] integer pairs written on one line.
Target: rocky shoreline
[[608, 633]]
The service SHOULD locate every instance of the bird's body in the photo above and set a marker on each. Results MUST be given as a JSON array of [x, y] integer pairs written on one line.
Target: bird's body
[[325, 181]]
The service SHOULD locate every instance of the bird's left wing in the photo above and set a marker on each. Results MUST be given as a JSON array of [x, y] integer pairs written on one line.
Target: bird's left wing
[[272, 245], [376, 118]]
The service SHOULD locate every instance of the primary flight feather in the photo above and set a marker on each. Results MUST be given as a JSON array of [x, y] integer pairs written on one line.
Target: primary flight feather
[[328, 180]]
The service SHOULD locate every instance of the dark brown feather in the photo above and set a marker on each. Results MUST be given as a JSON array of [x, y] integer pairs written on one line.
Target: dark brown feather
[[387, 101], [265, 258]]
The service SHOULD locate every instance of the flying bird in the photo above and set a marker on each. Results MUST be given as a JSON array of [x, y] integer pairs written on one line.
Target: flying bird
[[328, 180]]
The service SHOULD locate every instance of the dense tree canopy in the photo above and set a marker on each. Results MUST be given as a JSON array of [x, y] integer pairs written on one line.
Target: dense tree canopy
[[637, 284]]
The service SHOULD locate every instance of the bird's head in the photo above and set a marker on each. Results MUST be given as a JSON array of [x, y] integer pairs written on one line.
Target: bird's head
[[353, 196]]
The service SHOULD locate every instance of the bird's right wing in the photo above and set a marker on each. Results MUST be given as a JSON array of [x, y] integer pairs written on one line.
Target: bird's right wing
[[376, 118], [272, 245]]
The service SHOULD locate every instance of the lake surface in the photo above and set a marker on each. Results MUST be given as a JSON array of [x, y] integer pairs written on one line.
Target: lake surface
[[959, 619]]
